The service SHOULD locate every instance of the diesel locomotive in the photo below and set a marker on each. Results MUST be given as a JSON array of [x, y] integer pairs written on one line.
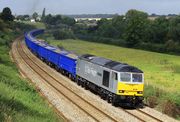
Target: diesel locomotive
[[118, 83]]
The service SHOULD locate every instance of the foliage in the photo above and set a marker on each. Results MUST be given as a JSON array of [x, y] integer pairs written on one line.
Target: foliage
[[58, 19], [35, 16], [137, 31], [2, 25], [68, 21], [157, 30], [6, 15], [80, 29], [174, 29], [60, 26], [63, 34], [111, 28], [104, 40], [119, 24], [136, 24], [106, 29], [23, 17], [35, 24], [43, 14]]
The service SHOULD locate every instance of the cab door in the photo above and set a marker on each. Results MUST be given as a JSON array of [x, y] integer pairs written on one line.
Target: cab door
[[114, 78]]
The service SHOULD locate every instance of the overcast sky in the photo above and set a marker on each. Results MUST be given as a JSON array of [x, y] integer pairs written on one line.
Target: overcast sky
[[91, 6]]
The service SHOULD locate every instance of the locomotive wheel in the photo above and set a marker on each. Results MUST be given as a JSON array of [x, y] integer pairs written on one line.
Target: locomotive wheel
[[70, 77], [86, 86], [103, 96], [78, 83], [109, 99], [57, 69], [114, 102], [83, 84], [63, 72]]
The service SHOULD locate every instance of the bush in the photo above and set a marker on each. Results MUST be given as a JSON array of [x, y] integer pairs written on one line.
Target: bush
[[63, 34], [118, 42], [170, 108], [152, 101]]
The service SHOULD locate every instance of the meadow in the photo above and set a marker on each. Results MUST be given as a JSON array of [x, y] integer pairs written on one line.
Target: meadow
[[36, 24], [162, 71]]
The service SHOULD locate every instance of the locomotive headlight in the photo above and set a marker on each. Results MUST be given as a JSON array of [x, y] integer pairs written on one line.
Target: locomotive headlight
[[121, 91], [140, 92]]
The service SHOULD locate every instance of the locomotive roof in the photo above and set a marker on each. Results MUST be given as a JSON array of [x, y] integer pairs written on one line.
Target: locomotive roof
[[117, 66]]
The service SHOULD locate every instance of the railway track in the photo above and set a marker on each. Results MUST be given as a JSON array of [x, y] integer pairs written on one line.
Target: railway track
[[14, 58], [143, 116], [156, 119], [91, 110]]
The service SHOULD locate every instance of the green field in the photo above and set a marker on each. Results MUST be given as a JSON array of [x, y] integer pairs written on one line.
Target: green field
[[162, 71], [19, 101], [36, 24]]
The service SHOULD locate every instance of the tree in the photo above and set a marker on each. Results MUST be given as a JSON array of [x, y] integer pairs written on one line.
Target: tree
[[68, 21], [63, 34], [174, 29], [35, 15], [105, 29], [2, 25], [6, 14], [43, 14], [136, 22], [157, 30], [58, 20], [118, 22], [23, 17]]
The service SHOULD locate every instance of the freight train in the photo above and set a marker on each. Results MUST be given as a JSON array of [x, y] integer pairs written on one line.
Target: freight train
[[118, 83]]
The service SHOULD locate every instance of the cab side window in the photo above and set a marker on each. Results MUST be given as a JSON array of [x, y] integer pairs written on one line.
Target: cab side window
[[114, 76], [105, 78]]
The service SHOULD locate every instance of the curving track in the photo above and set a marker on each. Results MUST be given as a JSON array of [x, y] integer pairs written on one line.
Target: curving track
[[91, 110], [88, 108]]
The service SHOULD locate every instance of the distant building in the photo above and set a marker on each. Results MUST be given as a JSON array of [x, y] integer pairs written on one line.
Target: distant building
[[155, 17], [38, 18], [33, 20], [89, 19]]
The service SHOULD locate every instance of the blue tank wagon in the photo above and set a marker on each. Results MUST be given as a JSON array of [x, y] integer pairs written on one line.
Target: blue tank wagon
[[68, 64], [60, 59]]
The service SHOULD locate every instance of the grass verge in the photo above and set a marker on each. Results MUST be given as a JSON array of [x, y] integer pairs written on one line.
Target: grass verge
[[19, 101]]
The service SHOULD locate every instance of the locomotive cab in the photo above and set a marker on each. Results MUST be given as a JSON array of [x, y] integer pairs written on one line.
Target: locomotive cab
[[130, 88], [130, 84]]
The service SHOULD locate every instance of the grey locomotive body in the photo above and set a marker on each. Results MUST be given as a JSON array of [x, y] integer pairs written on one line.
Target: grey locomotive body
[[116, 82], [92, 70]]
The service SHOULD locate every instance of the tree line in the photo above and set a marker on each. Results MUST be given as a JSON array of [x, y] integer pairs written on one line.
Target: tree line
[[9, 28], [135, 30], [60, 26]]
